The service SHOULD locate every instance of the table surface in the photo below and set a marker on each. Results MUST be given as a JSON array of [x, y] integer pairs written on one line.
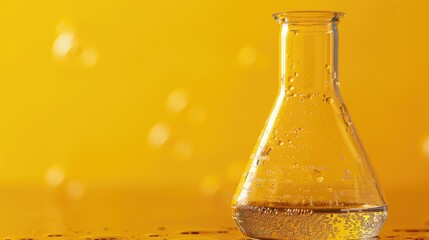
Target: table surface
[[110, 214]]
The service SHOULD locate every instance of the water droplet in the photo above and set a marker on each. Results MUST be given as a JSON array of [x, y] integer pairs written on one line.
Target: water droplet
[[290, 79], [328, 99], [158, 135], [336, 82], [295, 74], [327, 66], [275, 131], [281, 143], [290, 88], [246, 56], [54, 176]]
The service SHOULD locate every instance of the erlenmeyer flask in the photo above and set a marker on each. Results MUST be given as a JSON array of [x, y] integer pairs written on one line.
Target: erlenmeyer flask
[[309, 177]]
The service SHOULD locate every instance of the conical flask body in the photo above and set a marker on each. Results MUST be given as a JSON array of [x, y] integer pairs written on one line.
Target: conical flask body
[[308, 176]]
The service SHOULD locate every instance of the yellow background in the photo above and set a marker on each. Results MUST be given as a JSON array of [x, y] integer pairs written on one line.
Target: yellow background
[[169, 97]]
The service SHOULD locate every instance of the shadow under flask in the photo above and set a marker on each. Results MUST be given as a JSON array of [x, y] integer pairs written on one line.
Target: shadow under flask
[[308, 176]]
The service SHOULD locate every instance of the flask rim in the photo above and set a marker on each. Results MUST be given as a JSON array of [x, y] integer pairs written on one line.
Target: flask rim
[[308, 17]]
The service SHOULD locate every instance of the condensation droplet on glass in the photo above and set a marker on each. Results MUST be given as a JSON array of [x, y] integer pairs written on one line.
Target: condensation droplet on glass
[[336, 82], [176, 101], [158, 134], [275, 130], [327, 99], [269, 151]]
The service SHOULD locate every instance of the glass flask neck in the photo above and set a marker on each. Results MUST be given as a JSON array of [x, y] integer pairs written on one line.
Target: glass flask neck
[[308, 55]]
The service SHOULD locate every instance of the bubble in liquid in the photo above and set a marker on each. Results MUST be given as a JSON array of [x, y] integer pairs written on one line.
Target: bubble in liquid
[[290, 88], [295, 74], [290, 79], [176, 101], [327, 66], [246, 56], [158, 135], [281, 143], [318, 175], [54, 176]]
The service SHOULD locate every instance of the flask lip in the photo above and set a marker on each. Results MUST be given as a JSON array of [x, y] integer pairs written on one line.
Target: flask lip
[[308, 17]]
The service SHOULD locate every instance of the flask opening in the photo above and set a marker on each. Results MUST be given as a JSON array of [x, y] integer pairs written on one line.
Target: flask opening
[[308, 17]]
